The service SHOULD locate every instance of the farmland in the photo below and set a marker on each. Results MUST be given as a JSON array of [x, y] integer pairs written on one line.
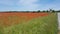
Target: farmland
[[28, 23]]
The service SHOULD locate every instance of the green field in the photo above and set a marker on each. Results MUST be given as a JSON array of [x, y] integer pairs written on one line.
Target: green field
[[41, 25]]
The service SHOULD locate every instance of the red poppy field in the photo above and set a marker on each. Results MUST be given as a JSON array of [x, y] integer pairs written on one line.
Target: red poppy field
[[28, 23], [19, 17]]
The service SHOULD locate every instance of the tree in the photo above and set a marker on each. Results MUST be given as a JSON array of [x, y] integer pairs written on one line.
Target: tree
[[38, 11], [53, 10]]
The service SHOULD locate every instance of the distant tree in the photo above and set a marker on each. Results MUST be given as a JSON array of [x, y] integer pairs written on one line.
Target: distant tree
[[27, 11], [47, 11], [53, 10], [33, 12], [38, 11], [58, 11], [43, 10]]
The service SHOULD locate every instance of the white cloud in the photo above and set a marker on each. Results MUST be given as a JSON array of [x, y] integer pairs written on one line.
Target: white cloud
[[28, 4]]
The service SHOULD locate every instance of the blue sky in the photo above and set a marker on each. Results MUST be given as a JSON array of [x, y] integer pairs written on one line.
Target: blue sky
[[22, 5]]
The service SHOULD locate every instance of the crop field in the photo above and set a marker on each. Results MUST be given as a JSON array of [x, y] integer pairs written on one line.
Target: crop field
[[28, 23]]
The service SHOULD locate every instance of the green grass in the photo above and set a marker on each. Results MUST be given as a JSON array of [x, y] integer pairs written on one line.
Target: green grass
[[41, 25]]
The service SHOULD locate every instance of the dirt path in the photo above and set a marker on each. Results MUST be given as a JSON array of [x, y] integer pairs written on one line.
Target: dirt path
[[59, 32]]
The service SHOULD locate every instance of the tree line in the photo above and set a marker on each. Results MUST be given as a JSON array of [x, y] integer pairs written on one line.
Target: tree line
[[50, 10]]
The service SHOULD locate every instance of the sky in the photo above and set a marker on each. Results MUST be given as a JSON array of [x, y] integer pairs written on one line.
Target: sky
[[29, 5]]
